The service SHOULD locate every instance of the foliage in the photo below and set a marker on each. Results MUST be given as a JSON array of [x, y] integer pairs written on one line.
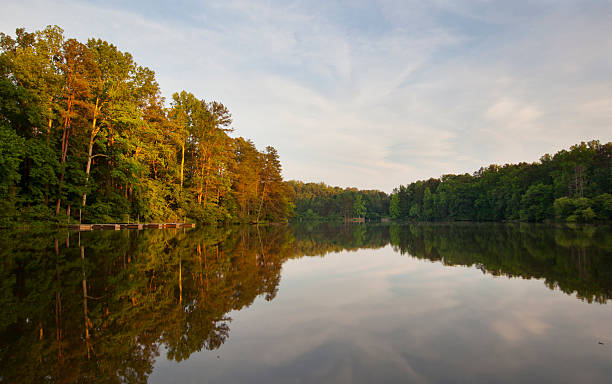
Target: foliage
[[85, 132], [572, 185], [583, 209], [318, 201]]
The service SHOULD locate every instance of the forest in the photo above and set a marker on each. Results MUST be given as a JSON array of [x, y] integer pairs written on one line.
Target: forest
[[318, 201], [85, 135], [573, 185]]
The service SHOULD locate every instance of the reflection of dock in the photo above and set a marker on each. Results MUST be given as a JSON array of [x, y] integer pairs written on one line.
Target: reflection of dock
[[356, 220], [116, 227]]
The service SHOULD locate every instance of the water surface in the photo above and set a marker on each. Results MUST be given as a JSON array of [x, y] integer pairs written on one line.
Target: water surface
[[310, 303]]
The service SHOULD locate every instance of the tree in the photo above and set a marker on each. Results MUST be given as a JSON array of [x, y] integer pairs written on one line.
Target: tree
[[359, 206], [394, 209], [271, 186], [11, 155], [78, 69], [536, 202], [110, 93]]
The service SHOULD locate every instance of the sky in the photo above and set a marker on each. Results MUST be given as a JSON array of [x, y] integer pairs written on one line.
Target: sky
[[370, 94]]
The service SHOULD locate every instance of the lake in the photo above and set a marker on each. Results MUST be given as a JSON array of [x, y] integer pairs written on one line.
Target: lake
[[308, 303]]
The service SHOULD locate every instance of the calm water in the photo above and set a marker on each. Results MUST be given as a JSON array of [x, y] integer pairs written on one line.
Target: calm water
[[357, 303]]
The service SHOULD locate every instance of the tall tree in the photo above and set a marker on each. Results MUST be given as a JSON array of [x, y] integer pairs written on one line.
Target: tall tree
[[79, 70]]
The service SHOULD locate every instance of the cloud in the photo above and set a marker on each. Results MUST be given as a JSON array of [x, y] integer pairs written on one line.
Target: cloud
[[372, 94], [513, 113]]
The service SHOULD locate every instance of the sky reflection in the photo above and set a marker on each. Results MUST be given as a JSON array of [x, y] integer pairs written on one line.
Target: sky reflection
[[378, 316]]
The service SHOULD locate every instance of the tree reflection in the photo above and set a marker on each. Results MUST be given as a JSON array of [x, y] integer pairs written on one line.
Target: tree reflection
[[574, 260], [102, 306]]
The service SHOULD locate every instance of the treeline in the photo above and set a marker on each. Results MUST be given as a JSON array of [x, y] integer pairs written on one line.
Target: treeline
[[573, 258], [574, 185], [316, 201], [84, 131]]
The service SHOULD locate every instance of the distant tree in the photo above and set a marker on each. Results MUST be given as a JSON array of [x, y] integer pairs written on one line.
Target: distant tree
[[572, 180], [394, 209], [359, 207], [536, 202]]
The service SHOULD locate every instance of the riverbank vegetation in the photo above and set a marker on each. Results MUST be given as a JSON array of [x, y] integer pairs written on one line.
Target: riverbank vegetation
[[573, 185], [318, 201], [85, 134]]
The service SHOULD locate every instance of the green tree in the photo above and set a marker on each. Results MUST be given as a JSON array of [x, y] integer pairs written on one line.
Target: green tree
[[359, 207], [394, 209], [536, 202]]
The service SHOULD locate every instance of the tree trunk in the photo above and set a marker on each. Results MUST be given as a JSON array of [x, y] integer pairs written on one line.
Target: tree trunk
[[206, 183], [48, 140], [201, 186], [182, 163], [263, 193], [65, 135], [92, 138]]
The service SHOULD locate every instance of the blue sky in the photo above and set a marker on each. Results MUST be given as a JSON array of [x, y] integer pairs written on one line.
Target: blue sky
[[371, 94]]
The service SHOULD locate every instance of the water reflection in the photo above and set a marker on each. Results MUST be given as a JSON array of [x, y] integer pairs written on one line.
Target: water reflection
[[107, 304]]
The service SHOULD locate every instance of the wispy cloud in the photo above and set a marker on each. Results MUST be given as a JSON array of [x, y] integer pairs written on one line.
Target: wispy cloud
[[374, 93]]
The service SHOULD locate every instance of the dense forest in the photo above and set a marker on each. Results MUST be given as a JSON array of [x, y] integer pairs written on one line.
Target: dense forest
[[85, 134], [316, 201], [573, 185]]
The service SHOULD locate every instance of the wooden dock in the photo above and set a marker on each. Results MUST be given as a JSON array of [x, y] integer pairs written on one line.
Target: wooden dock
[[114, 227], [154, 226], [132, 226], [137, 226]]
